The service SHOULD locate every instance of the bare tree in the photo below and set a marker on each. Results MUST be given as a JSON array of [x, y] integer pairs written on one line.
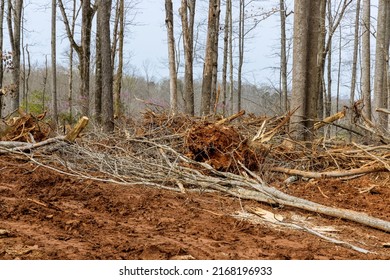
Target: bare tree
[[187, 13], [171, 55], [84, 50], [14, 19], [212, 29], [54, 102], [366, 59], [381, 53]]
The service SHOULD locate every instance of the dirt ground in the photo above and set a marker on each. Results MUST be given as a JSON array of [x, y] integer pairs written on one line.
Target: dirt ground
[[45, 215]]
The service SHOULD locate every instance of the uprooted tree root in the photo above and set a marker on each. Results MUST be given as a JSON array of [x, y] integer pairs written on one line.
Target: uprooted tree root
[[26, 128], [221, 146]]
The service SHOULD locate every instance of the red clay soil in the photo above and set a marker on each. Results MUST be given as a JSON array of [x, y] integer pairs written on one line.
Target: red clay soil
[[45, 215]]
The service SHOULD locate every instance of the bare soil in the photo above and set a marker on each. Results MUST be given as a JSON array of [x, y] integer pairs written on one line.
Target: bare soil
[[46, 215]]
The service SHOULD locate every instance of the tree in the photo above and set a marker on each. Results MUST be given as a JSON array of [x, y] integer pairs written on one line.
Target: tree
[[225, 54], [97, 108], [381, 54], [366, 59], [354, 59], [306, 67], [54, 61], [171, 55], [120, 18], [84, 50], [212, 29], [283, 56], [14, 19], [104, 13], [187, 13]]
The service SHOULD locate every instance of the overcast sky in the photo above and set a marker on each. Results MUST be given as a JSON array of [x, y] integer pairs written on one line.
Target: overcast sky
[[145, 44]]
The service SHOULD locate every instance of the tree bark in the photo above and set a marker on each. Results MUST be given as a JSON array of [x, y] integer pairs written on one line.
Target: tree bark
[[187, 13], [172, 57], [104, 11], [119, 73], [212, 29], [97, 112], [306, 67], [283, 57], [54, 104], [366, 59], [241, 35], [380, 94], [354, 62], [14, 26], [225, 55]]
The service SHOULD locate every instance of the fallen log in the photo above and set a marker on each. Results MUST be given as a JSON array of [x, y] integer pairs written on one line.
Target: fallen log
[[329, 174]]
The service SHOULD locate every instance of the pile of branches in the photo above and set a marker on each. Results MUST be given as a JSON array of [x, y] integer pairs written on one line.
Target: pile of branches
[[181, 155]]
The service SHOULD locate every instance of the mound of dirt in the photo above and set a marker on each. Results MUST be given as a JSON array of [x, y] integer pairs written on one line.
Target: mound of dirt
[[221, 146], [26, 128]]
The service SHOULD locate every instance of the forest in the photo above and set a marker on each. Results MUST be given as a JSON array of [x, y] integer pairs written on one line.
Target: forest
[[211, 161]]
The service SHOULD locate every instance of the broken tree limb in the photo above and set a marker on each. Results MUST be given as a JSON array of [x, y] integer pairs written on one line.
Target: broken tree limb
[[383, 110], [230, 118], [74, 133], [330, 119], [329, 174]]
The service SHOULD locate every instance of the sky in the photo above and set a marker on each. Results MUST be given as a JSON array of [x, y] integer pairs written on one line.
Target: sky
[[145, 42]]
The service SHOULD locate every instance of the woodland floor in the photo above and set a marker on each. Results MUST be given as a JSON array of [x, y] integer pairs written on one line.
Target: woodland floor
[[46, 215]]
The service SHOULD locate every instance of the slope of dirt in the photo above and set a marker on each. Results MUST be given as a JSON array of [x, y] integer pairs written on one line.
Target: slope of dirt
[[45, 215]]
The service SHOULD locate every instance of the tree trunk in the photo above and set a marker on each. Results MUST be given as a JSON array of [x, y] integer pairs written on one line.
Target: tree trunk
[[241, 35], [231, 66], [171, 55], [214, 83], [212, 29], [104, 10], [97, 112], [86, 28], [354, 63], [306, 67], [225, 56], [283, 57], [54, 103], [119, 73], [366, 59], [14, 26], [328, 98], [380, 94], [187, 12]]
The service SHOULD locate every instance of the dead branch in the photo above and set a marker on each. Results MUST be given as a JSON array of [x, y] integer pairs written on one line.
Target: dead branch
[[330, 119], [329, 174], [230, 118]]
